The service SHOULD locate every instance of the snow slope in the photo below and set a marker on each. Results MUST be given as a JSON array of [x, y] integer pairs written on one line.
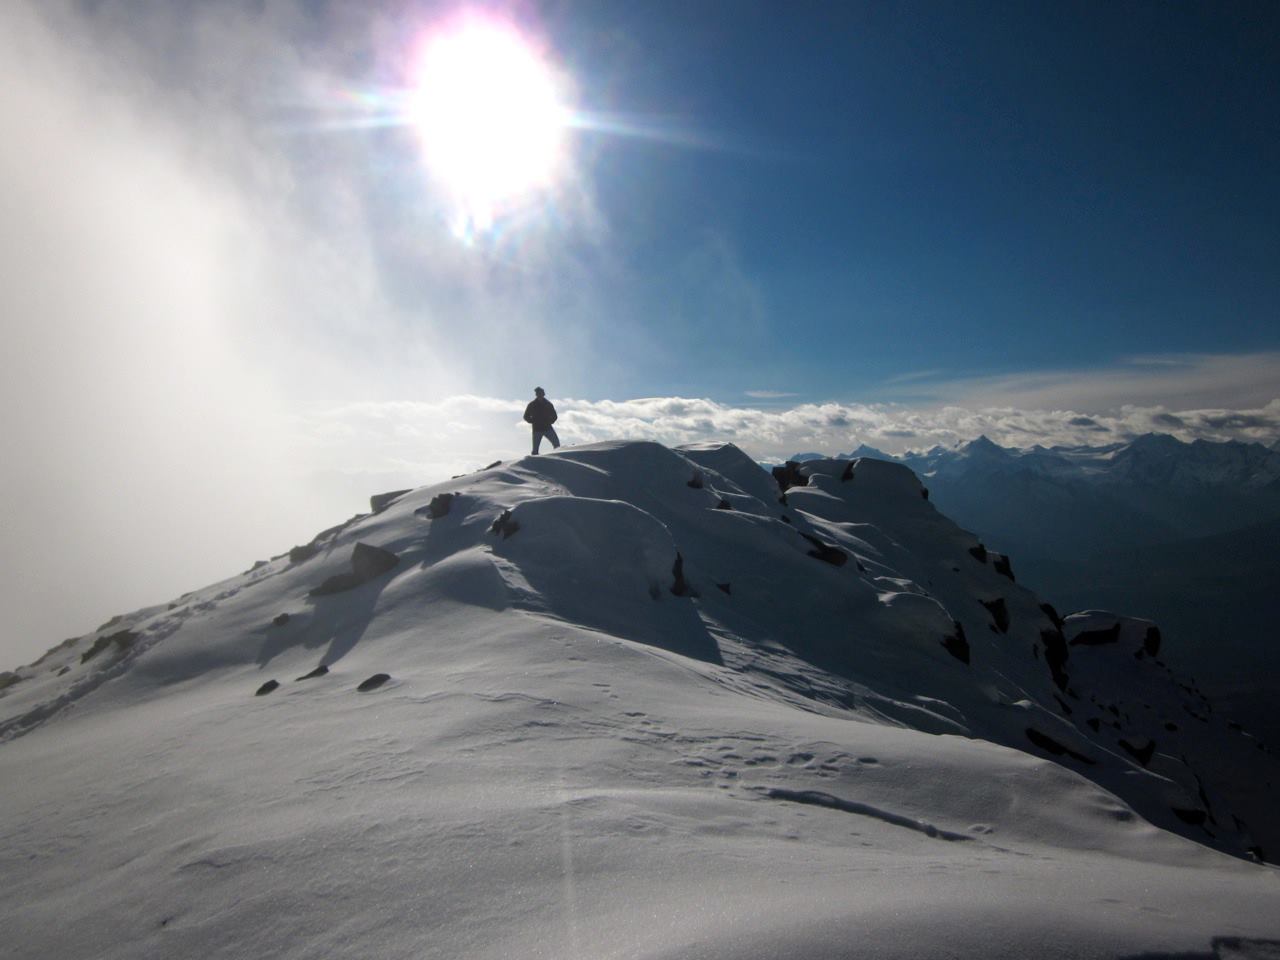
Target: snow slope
[[637, 703], [1156, 527]]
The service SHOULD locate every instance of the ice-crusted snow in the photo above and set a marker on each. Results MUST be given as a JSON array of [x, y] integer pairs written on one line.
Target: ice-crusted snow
[[641, 703]]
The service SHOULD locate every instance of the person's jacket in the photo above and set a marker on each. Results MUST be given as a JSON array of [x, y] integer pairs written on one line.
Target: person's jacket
[[540, 413]]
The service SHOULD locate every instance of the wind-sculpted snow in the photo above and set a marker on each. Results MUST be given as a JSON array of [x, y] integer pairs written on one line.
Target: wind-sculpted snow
[[542, 705]]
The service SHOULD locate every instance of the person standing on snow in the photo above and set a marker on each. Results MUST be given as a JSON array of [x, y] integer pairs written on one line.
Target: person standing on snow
[[541, 414]]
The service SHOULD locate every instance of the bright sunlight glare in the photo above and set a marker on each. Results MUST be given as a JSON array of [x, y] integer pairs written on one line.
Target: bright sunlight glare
[[487, 110]]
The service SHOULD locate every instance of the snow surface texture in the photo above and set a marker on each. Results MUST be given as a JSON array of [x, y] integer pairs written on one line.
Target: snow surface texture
[[1182, 533], [624, 701]]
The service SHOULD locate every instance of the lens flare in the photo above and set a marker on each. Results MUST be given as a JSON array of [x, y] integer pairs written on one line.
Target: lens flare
[[488, 112]]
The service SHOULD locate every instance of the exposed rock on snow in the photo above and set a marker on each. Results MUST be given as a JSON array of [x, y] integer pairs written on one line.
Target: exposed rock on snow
[[1000, 563], [956, 644], [266, 688], [438, 507], [826, 552], [367, 563], [303, 553], [374, 682], [505, 525], [380, 501], [999, 614], [121, 640]]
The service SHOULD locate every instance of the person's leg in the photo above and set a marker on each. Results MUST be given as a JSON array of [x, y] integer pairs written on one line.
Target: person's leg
[[551, 435], [537, 440]]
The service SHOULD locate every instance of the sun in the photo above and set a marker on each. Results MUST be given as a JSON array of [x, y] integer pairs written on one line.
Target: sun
[[488, 112]]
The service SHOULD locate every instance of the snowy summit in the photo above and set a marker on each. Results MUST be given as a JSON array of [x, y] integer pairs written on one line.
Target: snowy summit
[[628, 701]]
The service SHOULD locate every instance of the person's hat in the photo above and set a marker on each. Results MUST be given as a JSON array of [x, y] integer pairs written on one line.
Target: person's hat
[[539, 391]]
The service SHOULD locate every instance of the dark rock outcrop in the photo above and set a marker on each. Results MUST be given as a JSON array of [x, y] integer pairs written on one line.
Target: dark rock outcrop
[[279, 620], [957, 644], [999, 613], [303, 553], [1151, 641], [847, 475], [438, 507], [374, 682], [1097, 638], [122, 641], [1055, 655], [1142, 754], [826, 552], [725, 588], [788, 475], [319, 671], [1002, 566], [504, 525], [380, 501], [8, 678], [978, 553], [367, 563], [1050, 745], [266, 688], [1052, 614], [679, 586], [1195, 818], [724, 505], [696, 481]]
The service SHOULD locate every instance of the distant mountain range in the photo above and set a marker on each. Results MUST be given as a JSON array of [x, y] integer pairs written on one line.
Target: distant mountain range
[[1183, 533]]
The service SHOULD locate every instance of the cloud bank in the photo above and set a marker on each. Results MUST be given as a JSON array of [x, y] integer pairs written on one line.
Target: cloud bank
[[411, 442]]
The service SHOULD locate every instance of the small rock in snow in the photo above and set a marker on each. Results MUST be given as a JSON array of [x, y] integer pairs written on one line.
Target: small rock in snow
[[267, 688], [367, 563], [825, 551], [504, 525], [380, 501], [439, 506], [374, 682], [1002, 566], [999, 613], [302, 553], [957, 645]]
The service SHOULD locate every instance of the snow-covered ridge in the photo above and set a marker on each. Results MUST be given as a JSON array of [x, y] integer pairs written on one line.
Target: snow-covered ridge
[[633, 636], [1146, 526]]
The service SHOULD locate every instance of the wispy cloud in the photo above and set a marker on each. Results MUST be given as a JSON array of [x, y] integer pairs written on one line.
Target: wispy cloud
[[914, 376], [1190, 381], [769, 394]]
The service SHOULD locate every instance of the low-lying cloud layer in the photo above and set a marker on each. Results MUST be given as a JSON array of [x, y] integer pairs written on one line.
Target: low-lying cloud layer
[[421, 442]]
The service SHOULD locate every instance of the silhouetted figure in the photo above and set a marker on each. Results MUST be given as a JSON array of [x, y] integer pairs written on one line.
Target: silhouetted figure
[[541, 414]]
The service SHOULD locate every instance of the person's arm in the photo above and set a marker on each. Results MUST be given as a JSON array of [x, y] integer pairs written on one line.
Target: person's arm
[[552, 407], [528, 413]]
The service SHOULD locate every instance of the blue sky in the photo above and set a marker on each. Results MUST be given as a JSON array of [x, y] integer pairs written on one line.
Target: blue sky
[[841, 201], [235, 301], [945, 188]]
